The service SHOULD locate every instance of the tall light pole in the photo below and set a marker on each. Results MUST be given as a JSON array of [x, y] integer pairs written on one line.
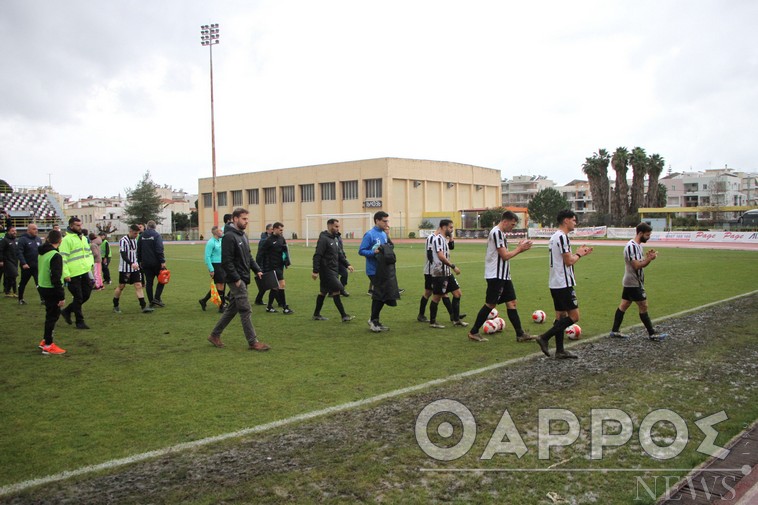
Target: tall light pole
[[209, 37]]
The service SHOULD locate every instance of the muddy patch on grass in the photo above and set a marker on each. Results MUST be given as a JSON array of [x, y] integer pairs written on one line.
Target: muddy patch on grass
[[389, 425]]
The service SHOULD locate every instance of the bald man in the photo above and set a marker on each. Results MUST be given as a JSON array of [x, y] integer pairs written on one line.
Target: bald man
[[28, 254]]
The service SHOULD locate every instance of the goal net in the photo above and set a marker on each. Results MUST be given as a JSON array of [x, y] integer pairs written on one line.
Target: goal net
[[351, 225]]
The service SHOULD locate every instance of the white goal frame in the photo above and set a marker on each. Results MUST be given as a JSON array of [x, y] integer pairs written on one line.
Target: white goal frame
[[308, 217]]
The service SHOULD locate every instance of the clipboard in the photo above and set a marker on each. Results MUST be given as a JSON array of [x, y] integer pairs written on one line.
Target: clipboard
[[268, 281]]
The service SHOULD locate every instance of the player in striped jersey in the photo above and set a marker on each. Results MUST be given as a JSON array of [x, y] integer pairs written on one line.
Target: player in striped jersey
[[497, 272], [562, 282], [421, 318], [634, 283], [441, 272], [128, 270]]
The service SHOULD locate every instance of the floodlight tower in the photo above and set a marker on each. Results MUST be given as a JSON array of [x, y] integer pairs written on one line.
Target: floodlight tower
[[209, 37]]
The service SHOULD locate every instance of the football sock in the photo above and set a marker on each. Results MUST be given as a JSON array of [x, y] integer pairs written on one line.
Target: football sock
[[376, 308], [559, 325], [422, 305], [618, 318], [319, 304], [338, 303], [115, 301], [271, 297], [222, 296], [645, 318], [456, 303], [433, 311], [141, 302], [282, 298], [481, 317], [207, 296], [448, 305], [515, 321]]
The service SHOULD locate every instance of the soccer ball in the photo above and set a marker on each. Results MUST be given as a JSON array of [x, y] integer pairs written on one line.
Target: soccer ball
[[500, 323], [539, 316], [493, 314], [490, 326], [574, 332]]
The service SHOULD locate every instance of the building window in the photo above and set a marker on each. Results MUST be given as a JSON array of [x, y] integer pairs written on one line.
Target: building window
[[269, 195], [288, 194], [207, 200], [350, 190], [252, 196], [221, 198], [373, 188], [307, 192], [237, 198], [328, 191]]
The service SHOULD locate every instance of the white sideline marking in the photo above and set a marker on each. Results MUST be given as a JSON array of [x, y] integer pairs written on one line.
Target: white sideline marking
[[115, 463]]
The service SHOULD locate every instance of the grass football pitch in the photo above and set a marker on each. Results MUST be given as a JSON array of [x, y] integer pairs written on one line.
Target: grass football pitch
[[139, 382]]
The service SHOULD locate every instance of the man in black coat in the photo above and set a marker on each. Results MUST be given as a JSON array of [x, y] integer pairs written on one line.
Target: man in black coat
[[9, 262], [152, 260], [327, 261], [28, 254], [237, 261], [275, 256]]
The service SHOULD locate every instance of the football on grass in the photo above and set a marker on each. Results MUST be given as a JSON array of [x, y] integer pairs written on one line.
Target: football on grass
[[538, 316], [500, 323], [574, 332], [493, 314], [489, 327]]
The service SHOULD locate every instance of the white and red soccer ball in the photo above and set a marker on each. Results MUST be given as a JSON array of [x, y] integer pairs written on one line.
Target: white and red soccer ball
[[490, 326], [539, 316], [493, 314], [574, 332]]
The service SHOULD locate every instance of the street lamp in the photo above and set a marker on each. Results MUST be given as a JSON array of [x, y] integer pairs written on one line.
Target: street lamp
[[209, 37]]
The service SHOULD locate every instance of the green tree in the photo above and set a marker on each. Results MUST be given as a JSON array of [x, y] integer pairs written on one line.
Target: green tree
[[181, 221], [596, 169], [639, 162], [490, 217], [545, 206], [654, 169], [620, 204], [661, 196], [143, 202]]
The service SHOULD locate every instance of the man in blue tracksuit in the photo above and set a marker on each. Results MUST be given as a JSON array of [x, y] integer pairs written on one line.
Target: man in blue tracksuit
[[28, 254], [369, 248]]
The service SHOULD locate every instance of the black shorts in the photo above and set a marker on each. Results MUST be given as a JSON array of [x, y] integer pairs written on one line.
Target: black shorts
[[442, 285], [129, 277], [330, 283], [499, 291], [219, 276], [564, 299], [279, 274], [634, 294], [428, 282]]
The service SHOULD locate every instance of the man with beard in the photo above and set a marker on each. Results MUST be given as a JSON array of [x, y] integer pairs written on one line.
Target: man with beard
[[28, 254], [634, 283], [327, 261], [237, 261], [77, 263]]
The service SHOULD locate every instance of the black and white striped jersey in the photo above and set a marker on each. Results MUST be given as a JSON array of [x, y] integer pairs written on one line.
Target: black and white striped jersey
[[496, 267], [561, 275], [633, 278], [128, 254], [438, 244]]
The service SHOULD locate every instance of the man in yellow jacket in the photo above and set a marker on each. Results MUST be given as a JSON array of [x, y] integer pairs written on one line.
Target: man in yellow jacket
[[77, 263]]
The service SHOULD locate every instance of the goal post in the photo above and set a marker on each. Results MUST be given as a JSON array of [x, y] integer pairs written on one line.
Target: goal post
[[352, 225]]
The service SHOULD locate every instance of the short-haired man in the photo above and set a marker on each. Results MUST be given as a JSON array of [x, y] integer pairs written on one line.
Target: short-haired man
[[227, 223], [634, 283], [105, 255], [77, 264], [562, 284], [441, 271], [384, 292], [28, 255], [259, 259], [151, 258], [237, 262], [129, 270], [9, 261], [50, 280], [276, 258], [497, 273], [327, 260]]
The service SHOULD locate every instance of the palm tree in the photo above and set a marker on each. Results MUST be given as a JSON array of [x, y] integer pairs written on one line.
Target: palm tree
[[620, 164], [596, 169], [654, 170], [639, 162]]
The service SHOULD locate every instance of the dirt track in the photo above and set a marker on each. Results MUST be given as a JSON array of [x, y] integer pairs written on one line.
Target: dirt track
[[388, 423]]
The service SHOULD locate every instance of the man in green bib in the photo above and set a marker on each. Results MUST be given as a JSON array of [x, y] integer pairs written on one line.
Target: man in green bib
[[50, 278]]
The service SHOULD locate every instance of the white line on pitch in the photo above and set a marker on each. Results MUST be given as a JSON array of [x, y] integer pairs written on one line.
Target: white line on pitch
[[115, 463]]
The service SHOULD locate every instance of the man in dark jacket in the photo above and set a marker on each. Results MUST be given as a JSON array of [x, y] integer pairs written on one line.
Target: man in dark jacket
[[275, 257], [151, 260], [9, 262], [237, 261], [227, 223], [105, 255], [343, 268], [28, 253], [327, 261], [259, 259]]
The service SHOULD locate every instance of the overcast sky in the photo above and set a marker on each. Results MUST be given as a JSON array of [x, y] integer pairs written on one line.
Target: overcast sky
[[95, 93]]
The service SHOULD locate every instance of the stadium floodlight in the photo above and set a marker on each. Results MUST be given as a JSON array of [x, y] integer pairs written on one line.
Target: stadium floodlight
[[209, 36]]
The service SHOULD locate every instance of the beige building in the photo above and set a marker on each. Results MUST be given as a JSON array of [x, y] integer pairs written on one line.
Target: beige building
[[406, 189]]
